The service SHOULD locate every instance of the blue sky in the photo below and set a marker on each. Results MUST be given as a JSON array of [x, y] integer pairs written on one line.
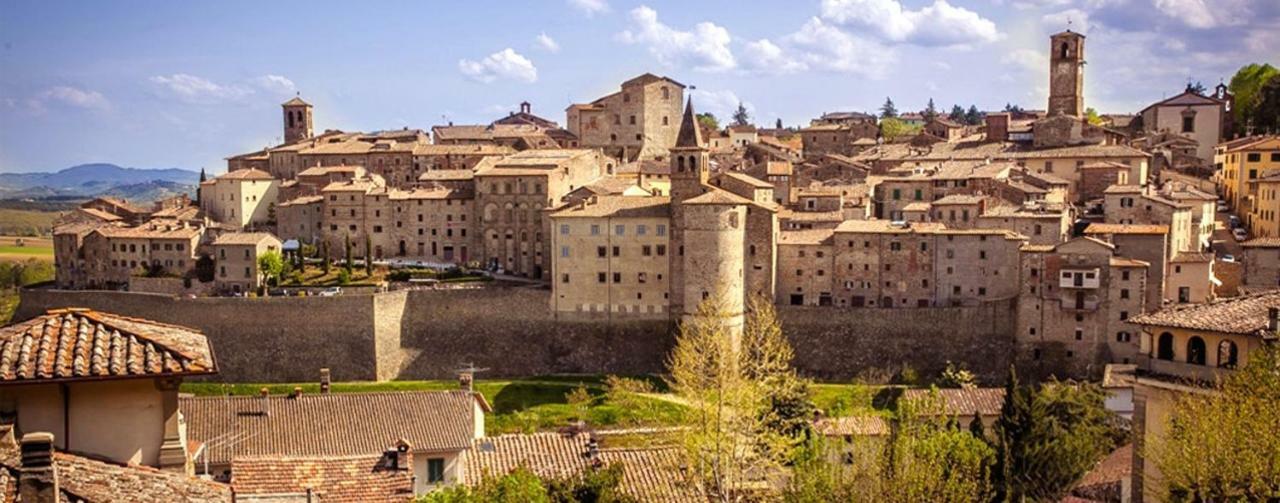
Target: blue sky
[[185, 84]]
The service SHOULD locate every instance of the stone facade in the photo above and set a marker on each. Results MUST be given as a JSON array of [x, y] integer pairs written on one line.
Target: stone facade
[[236, 259], [847, 138], [638, 122], [243, 199], [1066, 74]]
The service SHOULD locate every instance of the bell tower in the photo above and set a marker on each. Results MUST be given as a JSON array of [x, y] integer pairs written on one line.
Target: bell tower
[[297, 120], [1066, 74], [690, 161]]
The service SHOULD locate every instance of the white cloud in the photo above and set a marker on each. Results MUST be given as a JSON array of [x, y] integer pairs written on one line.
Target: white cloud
[[1027, 59], [942, 65], [504, 64], [1193, 13], [1057, 21], [547, 43], [276, 84], [590, 7], [764, 56], [824, 46], [940, 24], [721, 103], [705, 48], [193, 89], [70, 96]]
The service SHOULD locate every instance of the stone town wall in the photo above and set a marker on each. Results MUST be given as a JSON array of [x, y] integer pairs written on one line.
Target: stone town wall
[[511, 331]]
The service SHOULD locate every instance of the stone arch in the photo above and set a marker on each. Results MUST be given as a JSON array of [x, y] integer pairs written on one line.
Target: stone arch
[[1195, 351], [1164, 346], [1227, 354]]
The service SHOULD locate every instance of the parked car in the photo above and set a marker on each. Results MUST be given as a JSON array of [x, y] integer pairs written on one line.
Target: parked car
[[1240, 234], [1233, 221], [1227, 257], [332, 291]]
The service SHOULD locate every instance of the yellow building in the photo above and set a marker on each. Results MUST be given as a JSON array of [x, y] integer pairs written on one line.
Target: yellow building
[[240, 199], [1242, 161], [1263, 218], [237, 255]]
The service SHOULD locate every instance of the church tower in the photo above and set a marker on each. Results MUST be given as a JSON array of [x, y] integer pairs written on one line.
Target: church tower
[[690, 161], [1066, 74], [297, 120]]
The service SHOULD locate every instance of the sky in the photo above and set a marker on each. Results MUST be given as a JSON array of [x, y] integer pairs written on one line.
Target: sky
[[157, 84]]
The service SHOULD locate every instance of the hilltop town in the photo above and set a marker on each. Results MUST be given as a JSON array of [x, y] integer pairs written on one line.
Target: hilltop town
[[1140, 252]]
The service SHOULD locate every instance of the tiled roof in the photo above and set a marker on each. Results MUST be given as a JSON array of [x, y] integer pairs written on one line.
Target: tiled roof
[[1244, 315], [339, 424], [1106, 480], [325, 170], [455, 175], [82, 344], [748, 179], [885, 226], [963, 401], [1126, 229], [1267, 242], [1128, 262], [718, 196], [298, 201], [852, 426], [481, 149], [151, 230], [959, 199], [778, 168], [369, 477], [617, 206], [243, 238], [295, 101], [99, 214], [651, 474], [804, 237], [246, 174], [85, 480], [1192, 258]]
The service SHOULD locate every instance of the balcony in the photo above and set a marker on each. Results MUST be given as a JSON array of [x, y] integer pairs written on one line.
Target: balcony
[[1182, 370], [1079, 278]]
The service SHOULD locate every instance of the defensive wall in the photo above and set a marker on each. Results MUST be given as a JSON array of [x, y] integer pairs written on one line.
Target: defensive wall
[[511, 331]]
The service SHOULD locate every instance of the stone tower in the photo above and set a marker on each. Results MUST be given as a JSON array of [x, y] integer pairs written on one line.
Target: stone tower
[[689, 164], [713, 230], [1066, 74], [297, 120]]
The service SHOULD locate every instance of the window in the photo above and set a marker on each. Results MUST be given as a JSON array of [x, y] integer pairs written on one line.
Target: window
[[564, 230], [617, 277], [619, 229], [595, 230], [646, 250], [435, 470], [1124, 293], [641, 230], [1164, 346], [1123, 337], [617, 251], [1227, 354], [602, 252], [662, 250], [1195, 351], [1254, 156], [601, 277], [1188, 124], [662, 230], [564, 251]]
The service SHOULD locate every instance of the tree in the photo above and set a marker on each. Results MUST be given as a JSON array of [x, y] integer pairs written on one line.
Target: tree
[[778, 124], [709, 121], [1267, 113], [347, 259], [1012, 108], [327, 258], [956, 377], [601, 485], [1048, 436], [888, 109], [957, 114], [1197, 88], [740, 116], [1246, 86], [728, 444], [205, 268], [973, 117], [976, 427], [1092, 116], [270, 266], [1222, 445], [930, 111], [368, 256], [198, 185], [767, 360], [891, 129]]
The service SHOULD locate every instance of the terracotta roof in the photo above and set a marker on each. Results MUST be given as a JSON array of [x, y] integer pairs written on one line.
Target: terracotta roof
[[1126, 229], [778, 168], [916, 206], [748, 179], [370, 477], [298, 201], [852, 426], [804, 237], [81, 479], [1245, 315], [885, 226], [1106, 480], [324, 170], [651, 474], [618, 206], [959, 199], [339, 424], [963, 401], [1128, 262], [243, 238], [294, 102], [82, 344], [1191, 258], [99, 214], [245, 174], [150, 230], [481, 149], [718, 196], [1267, 242]]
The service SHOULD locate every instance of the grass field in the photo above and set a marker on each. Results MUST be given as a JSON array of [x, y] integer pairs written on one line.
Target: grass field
[[521, 405], [27, 222], [37, 248]]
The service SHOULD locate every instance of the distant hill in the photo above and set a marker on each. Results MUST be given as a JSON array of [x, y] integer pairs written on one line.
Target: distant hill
[[89, 180]]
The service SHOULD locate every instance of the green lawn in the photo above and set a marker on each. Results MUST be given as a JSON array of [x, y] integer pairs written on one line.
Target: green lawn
[[523, 405]]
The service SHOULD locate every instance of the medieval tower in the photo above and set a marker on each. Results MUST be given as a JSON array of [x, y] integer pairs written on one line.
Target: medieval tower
[[1066, 74], [689, 163], [297, 120]]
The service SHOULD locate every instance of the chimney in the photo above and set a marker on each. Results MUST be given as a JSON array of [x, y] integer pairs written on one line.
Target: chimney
[[465, 377], [324, 381], [297, 392], [266, 401], [38, 476], [403, 457], [1273, 320]]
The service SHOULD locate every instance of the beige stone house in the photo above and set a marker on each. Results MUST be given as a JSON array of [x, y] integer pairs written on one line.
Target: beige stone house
[[240, 199], [1190, 279], [1192, 115], [638, 122], [1262, 262], [110, 255], [117, 401], [1128, 207], [236, 255]]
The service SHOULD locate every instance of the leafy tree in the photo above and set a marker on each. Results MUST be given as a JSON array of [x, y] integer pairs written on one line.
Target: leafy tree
[[740, 116], [1092, 116], [1223, 446], [973, 117], [1246, 86], [728, 443], [1267, 114], [522, 485], [708, 120], [957, 114], [891, 129], [1047, 437], [344, 276], [327, 258], [888, 109], [1012, 108], [767, 360], [954, 376], [270, 267], [205, 268], [930, 111], [1197, 88]]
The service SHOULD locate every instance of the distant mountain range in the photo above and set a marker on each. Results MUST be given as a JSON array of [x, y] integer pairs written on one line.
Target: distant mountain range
[[92, 180]]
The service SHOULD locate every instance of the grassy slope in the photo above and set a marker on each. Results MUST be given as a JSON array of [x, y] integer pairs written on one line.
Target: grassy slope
[[26, 222]]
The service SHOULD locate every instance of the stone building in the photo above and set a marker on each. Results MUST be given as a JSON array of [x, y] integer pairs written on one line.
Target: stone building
[[241, 199], [235, 256], [511, 196], [843, 138], [1204, 210], [637, 122], [297, 120], [1126, 206], [1075, 304], [1263, 218], [1041, 223], [1146, 243], [1262, 262], [1192, 115], [1190, 278], [1066, 74], [109, 255]]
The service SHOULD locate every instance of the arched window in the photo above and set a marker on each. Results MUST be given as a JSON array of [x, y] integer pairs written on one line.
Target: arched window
[[1063, 51], [1164, 346], [1227, 354], [1195, 351], [680, 164], [693, 163]]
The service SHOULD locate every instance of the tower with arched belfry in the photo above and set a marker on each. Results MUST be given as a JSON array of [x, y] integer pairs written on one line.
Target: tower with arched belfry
[[297, 120], [1066, 74]]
